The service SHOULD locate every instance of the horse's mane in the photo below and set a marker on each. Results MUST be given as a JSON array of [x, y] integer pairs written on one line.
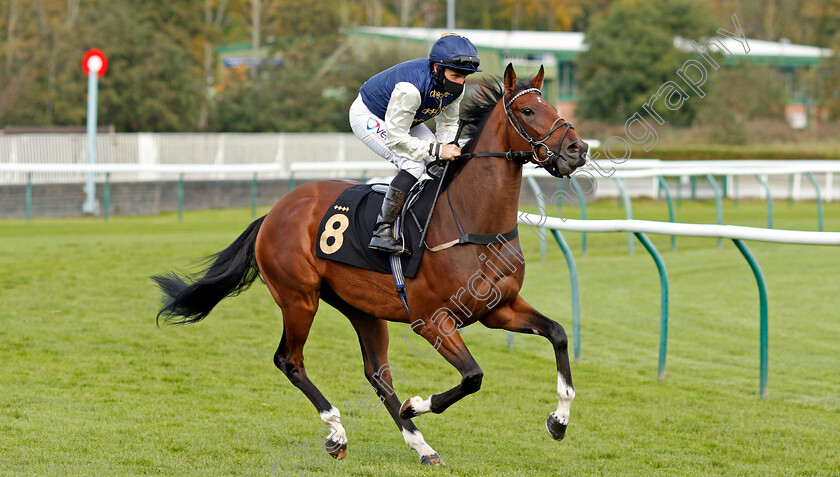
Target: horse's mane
[[474, 115]]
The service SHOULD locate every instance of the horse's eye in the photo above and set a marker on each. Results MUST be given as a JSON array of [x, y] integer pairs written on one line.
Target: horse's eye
[[528, 112]]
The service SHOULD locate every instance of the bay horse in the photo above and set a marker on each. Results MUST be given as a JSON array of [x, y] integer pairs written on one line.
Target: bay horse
[[505, 120]]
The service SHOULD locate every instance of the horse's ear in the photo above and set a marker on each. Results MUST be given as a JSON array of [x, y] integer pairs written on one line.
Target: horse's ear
[[510, 79], [537, 81]]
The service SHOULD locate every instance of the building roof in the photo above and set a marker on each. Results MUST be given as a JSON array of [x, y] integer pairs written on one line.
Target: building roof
[[564, 44], [567, 45]]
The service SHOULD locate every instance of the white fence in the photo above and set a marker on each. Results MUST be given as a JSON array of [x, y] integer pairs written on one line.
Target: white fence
[[782, 177], [640, 227], [683, 229], [150, 149]]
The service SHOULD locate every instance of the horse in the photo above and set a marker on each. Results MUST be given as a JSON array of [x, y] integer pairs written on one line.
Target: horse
[[510, 124]]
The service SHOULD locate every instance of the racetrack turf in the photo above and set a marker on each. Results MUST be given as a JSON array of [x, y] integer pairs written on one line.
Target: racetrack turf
[[90, 386]]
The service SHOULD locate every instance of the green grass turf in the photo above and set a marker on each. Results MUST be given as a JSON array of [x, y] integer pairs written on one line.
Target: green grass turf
[[90, 386]]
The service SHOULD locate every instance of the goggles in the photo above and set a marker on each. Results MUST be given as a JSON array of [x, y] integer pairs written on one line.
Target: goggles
[[464, 62]]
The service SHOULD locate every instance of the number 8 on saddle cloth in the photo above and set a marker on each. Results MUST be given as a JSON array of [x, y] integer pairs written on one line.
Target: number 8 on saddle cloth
[[346, 228]]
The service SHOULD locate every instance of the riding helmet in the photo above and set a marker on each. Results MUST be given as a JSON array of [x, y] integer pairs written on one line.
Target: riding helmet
[[455, 52]]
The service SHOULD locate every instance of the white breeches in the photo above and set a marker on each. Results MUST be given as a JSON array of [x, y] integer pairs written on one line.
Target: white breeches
[[371, 130]]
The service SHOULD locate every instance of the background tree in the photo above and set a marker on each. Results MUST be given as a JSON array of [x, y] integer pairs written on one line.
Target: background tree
[[551, 15], [807, 22], [828, 86], [303, 95], [738, 95], [35, 34], [164, 71], [151, 83], [631, 54]]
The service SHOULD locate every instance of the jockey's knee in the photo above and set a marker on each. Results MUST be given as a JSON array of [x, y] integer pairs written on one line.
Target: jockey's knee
[[414, 168]]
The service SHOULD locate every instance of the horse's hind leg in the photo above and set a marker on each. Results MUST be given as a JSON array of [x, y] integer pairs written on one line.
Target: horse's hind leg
[[297, 320], [373, 338], [521, 317]]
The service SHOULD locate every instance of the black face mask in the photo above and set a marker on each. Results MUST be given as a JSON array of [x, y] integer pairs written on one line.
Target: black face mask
[[447, 86], [452, 87]]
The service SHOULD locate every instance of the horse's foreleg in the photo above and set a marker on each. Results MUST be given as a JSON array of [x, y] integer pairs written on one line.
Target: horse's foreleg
[[373, 337], [521, 317], [449, 344]]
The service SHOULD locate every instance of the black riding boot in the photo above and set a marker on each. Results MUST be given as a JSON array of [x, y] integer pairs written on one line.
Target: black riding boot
[[383, 235]]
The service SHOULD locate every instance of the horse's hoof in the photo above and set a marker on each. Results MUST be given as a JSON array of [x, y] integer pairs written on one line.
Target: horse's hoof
[[433, 459], [338, 451], [555, 428], [407, 412]]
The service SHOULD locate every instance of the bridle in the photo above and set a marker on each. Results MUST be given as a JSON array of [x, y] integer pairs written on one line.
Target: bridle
[[520, 157], [524, 157]]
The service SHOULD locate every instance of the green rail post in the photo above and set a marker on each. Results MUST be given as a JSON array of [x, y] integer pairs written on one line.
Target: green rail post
[[181, 197], [254, 197], [790, 191], [769, 200], [664, 186], [693, 180], [679, 192], [582, 202], [718, 203], [364, 175], [762, 296], [573, 277], [819, 200], [28, 198], [735, 190], [663, 301], [291, 180], [106, 195], [535, 187], [628, 210]]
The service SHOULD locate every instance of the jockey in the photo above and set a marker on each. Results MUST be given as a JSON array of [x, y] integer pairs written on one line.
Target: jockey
[[389, 113]]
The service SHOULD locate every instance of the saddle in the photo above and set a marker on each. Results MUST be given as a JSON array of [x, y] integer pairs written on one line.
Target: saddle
[[346, 229]]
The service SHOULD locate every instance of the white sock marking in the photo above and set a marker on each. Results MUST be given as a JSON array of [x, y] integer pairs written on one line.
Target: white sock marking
[[417, 443], [565, 396], [420, 405], [333, 419]]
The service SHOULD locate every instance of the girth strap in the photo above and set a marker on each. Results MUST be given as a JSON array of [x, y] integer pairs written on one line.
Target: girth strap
[[479, 239]]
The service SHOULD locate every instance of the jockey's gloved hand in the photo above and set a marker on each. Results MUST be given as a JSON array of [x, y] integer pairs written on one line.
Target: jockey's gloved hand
[[450, 152]]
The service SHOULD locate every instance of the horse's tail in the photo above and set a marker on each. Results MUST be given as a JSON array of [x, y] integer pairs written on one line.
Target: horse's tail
[[228, 273]]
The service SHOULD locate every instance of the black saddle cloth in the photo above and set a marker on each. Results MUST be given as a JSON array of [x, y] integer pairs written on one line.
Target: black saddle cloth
[[346, 228]]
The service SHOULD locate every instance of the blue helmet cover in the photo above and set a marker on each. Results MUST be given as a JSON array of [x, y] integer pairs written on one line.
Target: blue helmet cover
[[455, 52]]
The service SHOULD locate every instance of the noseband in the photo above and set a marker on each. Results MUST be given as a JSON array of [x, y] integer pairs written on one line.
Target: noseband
[[524, 157]]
